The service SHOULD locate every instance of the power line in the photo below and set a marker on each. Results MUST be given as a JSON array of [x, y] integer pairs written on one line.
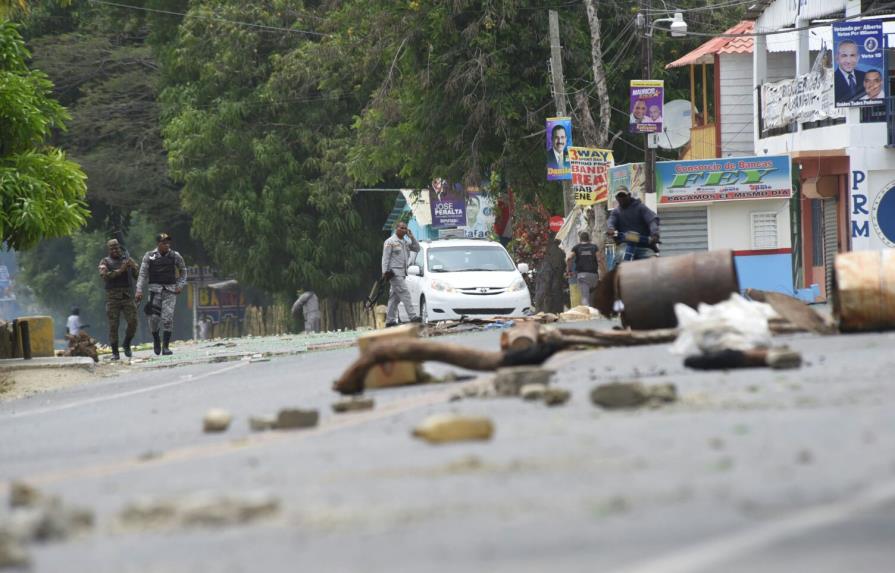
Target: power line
[[213, 18]]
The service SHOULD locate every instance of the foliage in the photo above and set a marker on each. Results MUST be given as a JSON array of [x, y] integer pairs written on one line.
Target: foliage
[[41, 192]]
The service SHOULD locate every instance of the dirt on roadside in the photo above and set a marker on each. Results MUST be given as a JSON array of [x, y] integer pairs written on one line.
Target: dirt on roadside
[[15, 384]]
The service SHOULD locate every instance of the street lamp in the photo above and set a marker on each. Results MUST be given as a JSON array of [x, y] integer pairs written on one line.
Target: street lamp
[[678, 28]]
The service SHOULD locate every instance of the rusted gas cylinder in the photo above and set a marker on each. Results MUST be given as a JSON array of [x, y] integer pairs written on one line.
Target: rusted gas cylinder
[[650, 288], [864, 290]]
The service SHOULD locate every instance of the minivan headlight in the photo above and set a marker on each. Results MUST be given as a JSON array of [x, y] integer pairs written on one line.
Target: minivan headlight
[[441, 286], [517, 285]]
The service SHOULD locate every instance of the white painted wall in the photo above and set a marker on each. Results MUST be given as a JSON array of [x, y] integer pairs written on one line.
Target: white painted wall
[[730, 223], [737, 116]]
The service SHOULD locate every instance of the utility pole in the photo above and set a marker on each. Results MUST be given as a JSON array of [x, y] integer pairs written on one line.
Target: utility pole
[[649, 149], [559, 95]]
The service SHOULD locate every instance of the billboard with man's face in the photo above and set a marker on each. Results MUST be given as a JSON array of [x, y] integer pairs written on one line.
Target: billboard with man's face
[[646, 106], [559, 139], [860, 63]]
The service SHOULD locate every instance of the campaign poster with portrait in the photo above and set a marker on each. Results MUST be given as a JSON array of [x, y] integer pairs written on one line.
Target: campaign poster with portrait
[[480, 215], [590, 174], [860, 63], [448, 204], [629, 177], [559, 139], [646, 106]]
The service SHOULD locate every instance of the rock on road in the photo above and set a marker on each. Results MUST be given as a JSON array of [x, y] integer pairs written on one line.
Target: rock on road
[[755, 470]]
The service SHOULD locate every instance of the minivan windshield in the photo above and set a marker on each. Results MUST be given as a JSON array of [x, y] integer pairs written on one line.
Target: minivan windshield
[[461, 259]]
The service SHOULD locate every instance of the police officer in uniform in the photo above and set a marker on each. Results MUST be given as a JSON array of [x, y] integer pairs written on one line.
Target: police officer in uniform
[[117, 270], [583, 257], [166, 272], [395, 259]]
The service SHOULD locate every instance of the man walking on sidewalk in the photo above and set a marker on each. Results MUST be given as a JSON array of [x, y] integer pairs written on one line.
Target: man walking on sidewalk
[[166, 272], [117, 270], [584, 258], [395, 259]]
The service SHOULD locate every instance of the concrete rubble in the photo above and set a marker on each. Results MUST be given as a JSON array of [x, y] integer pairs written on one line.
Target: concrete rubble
[[294, 418], [203, 509], [621, 395], [442, 428], [556, 396], [216, 420], [509, 381], [36, 518], [354, 404], [262, 423], [533, 392]]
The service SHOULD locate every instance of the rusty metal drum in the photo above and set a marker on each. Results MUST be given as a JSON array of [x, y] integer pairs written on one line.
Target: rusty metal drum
[[650, 288], [864, 290]]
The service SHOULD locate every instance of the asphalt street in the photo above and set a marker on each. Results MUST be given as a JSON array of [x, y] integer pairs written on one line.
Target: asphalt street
[[754, 470]]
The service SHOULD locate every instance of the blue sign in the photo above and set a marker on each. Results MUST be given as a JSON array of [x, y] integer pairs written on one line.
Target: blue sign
[[884, 215], [728, 179], [860, 58], [559, 139]]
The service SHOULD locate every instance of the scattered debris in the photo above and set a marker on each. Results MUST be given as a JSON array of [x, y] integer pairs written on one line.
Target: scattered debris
[[548, 341], [793, 311], [216, 420], [200, 510], [262, 423], [533, 392], [149, 455], [804, 457], [292, 418], [442, 428], [581, 312], [353, 404], [22, 494], [779, 358], [12, 552], [735, 324], [81, 344], [556, 396], [509, 381], [632, 395]]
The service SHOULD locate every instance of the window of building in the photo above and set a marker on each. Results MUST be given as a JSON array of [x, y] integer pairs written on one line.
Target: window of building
[[764, 230]]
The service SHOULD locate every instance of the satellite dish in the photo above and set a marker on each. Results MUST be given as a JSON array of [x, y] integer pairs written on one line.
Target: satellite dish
[[676, 124]]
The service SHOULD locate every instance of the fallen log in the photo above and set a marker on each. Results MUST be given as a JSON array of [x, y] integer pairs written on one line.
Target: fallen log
[[352, 380]]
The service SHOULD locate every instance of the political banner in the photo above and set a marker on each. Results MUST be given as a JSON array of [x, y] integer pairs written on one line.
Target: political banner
[[448, 204], [860, 63], [804, 99], [728, 179], [629, 177], [559, 139], [647, 97], [590, 174], [480, 215]]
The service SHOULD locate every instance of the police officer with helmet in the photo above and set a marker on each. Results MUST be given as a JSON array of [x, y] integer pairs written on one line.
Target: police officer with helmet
[[165, 271]]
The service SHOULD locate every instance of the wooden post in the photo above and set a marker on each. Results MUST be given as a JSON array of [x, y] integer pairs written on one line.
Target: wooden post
[[559, 94]]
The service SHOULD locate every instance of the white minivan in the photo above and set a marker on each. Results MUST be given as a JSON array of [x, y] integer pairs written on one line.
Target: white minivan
[[452, 278]]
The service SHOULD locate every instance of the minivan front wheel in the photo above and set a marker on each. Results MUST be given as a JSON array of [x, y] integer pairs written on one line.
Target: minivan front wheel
[[424, 311]]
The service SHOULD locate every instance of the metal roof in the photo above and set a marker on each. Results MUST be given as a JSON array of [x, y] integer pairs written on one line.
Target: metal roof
[[705, 54]]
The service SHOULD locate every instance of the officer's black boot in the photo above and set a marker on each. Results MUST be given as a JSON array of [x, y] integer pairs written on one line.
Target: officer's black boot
[[156, 343], [127, 347], [115, 355], [165, 350]]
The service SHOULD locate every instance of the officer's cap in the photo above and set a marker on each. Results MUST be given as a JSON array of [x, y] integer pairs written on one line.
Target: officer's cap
[[162, 237]]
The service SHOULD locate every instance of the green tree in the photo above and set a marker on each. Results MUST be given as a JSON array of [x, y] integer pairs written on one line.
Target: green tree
[[41, 192]]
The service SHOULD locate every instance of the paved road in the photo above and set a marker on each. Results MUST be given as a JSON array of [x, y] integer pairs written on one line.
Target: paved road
[[752, 471]]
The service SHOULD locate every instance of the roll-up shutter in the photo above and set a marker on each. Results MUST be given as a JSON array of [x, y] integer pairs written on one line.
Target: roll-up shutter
[[683, 230], [831, 241]]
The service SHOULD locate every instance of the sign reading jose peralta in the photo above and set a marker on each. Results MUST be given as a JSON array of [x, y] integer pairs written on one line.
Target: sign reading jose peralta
[[727, 179]]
